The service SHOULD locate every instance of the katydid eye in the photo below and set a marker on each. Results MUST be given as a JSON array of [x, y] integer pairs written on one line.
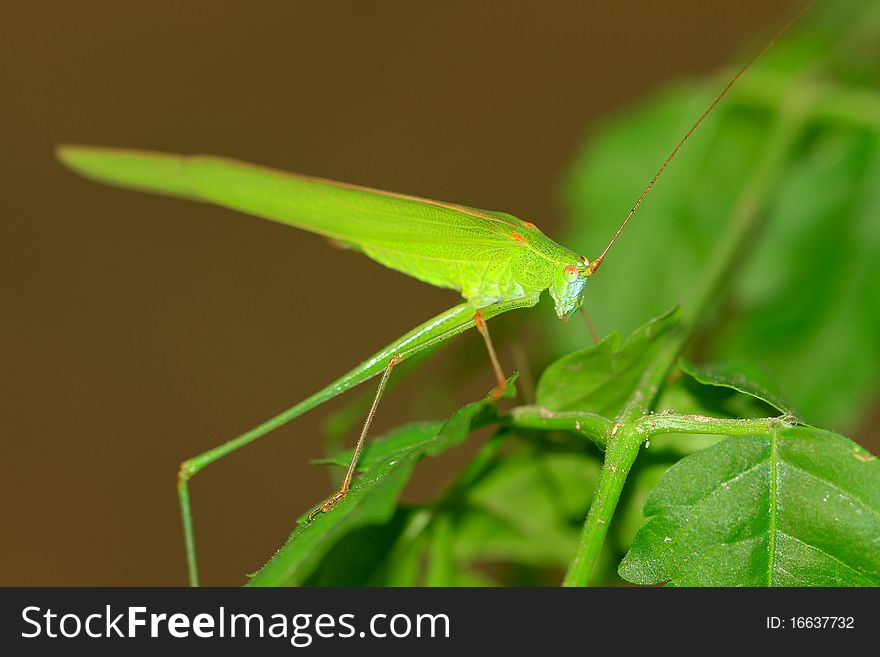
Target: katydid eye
[[570, 273]]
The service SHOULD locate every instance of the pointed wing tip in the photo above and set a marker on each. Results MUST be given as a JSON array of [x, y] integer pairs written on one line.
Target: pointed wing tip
[[78, 157], [67, 153]]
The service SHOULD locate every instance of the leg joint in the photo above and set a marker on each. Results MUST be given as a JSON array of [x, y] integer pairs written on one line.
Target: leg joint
[[479, 322], [185, 472]]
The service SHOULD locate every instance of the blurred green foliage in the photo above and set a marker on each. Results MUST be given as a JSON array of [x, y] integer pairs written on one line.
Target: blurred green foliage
[[802, 301]]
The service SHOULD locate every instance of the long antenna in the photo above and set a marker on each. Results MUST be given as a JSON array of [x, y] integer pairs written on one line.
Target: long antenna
[[598, 261]]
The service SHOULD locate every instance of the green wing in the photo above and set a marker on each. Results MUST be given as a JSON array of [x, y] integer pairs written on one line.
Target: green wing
[[484, 255]]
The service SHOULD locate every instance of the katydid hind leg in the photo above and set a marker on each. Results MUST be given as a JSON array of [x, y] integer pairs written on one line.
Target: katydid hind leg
[[429, 334]]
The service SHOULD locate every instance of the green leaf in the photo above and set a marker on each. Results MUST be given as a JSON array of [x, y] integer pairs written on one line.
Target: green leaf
[[797, 507], [373, 497], [630, 516], [742, 377], [524, 496], [398, 441], [600, 378], [367, 555]]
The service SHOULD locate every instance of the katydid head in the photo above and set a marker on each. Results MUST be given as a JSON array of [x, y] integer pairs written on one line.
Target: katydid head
[[568, 285]]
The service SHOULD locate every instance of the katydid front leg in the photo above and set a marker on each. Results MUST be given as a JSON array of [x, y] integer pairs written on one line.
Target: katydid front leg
[[433, 332], [500, 379]]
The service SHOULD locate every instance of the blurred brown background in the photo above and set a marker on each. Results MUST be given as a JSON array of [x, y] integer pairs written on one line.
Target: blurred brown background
[[138, 331]]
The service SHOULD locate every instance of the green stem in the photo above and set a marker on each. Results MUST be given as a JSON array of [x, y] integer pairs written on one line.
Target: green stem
[[595, 427], [619, 458], [652, 425], [624, 440]]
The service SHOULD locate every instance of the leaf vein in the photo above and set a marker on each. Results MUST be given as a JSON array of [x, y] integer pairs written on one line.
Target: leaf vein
[[822, 552], [831, 484]]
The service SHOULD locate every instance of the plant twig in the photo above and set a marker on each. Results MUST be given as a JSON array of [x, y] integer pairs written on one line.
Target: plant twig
[[623, 448], [595, 427], [652, 425]]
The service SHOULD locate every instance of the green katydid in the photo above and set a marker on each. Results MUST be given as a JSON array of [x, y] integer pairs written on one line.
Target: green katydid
[[496, 261]]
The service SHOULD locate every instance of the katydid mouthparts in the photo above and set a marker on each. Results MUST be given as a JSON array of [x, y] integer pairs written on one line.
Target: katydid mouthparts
[[496, 261]]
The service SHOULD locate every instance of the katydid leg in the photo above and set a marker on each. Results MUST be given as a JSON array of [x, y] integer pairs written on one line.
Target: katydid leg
[[433, 332], [590, 325], [346, 482], [501, 380]]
